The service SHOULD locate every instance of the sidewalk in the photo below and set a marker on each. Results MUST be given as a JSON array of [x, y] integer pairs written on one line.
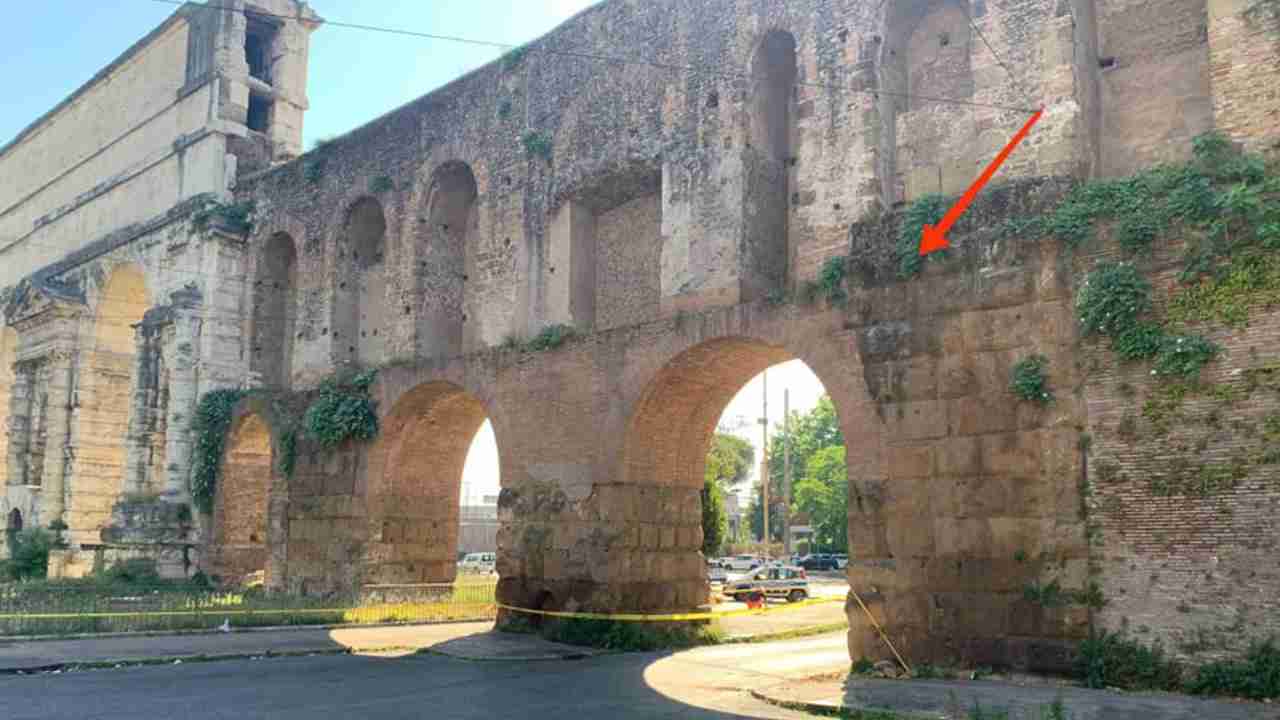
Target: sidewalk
[[938, 699], [468, 641]]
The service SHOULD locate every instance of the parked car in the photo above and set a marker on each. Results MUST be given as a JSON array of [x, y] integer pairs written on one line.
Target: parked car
[[842, 561], [481, 562], [819, 561], [741, 562], [785, 581]]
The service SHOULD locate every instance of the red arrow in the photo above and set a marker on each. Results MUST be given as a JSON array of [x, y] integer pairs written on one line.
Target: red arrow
[[934, 237]]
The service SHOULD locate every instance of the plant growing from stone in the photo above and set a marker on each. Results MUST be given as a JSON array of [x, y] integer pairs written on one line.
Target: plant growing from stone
[[209, 429], [1029, 380], [343, 411]]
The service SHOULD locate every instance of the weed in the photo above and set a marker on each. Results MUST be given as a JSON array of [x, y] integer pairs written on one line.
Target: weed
[[536, 144], [1113, 660], [1257, 676], [1029, 380]]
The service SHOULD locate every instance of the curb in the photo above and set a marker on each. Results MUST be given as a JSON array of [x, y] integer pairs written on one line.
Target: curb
[[179, 659], [8, 639], [839, 709], [217, 657]]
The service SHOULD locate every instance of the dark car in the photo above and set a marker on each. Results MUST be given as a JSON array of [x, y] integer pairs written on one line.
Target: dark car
[[819, 561]]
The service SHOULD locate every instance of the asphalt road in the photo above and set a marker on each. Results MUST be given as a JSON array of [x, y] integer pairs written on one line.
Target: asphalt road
[[710, 682]]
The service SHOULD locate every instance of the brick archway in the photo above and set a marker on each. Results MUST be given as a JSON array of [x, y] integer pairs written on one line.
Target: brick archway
[[241, 524], [664, 457], [415, 481]]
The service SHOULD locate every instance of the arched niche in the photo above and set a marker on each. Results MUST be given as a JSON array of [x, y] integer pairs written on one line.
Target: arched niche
[[360, 321], [444, 239], [275, 310], [773, 79]]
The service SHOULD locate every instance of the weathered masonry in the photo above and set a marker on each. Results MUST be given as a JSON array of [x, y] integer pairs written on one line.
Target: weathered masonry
[[672, 221]]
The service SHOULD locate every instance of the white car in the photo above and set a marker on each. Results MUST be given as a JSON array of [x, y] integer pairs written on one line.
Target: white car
[[741, 562], [482, 562]]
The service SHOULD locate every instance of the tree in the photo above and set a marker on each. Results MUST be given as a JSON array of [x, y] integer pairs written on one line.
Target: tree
[[820, 480], [715, 522], [757, 516], [728, 464], [729, 460], [823, 493], [810, 432]]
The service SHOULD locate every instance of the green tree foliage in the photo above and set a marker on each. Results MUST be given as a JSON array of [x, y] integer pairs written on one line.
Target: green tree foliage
[[715, 522], [729, 460], [812, 434], [28, 555], [823, 493], [728, 464]]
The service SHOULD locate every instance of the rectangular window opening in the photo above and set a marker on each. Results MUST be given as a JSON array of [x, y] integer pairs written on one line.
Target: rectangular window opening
[[259, 119], [259, 40]]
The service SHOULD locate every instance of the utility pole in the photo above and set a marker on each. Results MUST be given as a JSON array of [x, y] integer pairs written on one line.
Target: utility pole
[[786, 470], [764, 458]]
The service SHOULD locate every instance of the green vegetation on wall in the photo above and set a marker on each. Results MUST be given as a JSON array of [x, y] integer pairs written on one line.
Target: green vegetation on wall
[[342, 411], [536, 144], [209, 429], [1029, 380]]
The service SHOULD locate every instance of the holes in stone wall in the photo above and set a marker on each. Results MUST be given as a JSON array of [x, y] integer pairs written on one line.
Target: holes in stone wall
[[276, 310], [774, 72], [241, 508], [362, 302], [445, 242]]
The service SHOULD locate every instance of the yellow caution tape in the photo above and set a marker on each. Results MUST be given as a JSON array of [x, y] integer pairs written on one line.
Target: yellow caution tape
[[676, 617]]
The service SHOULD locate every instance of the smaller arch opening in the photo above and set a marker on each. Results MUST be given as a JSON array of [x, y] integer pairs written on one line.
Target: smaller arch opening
[[241, 508], [15, 521]]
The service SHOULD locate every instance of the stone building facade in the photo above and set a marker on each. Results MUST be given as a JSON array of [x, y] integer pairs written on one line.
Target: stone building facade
[[123, 283], [669, 211]]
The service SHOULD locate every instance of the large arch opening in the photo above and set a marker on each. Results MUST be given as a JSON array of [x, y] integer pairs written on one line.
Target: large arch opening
[[241, 508], [451, 226], [275, 310], [685, 443], [416, 487], [359, 333], [107, 400], [773, 73]]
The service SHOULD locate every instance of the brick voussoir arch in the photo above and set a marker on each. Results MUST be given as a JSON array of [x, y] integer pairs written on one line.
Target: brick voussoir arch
[[429, 416], [243, 491]]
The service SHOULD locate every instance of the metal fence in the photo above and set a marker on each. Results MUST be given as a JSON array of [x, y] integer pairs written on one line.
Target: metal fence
[[55, 608]]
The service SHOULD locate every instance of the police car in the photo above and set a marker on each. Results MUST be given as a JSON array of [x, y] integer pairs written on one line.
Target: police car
[[786, 581]]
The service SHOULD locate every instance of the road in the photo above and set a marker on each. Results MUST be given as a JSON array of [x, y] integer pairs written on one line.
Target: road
[[709, 682]]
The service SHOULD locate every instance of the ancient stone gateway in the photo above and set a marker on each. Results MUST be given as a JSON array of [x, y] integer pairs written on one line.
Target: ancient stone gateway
[[595, 256]]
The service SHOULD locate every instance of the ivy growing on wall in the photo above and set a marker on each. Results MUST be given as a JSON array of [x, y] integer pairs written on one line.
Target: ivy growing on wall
[[342, 411], [209, 429]]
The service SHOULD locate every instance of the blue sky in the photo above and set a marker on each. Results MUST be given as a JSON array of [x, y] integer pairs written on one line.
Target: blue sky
[[54, 46]]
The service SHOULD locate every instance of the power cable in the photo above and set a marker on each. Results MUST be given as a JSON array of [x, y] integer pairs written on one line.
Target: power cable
[[594, 56], [1013, 79]]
